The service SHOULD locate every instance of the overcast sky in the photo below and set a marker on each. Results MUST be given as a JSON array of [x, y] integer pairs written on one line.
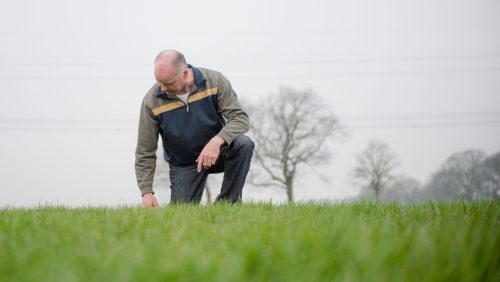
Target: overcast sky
[[422, 76]]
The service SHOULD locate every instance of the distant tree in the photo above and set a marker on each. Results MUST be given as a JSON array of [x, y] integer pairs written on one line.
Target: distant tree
[[463, 176], [290, 130], [441, 187], [375, 167], [492, 185], [403, 189]]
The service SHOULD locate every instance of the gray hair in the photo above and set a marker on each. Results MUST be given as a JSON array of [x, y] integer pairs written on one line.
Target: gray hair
[[178, 61]]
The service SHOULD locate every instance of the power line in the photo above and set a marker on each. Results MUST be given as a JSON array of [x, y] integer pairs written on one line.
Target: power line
[[471, 115], [369, 60], [450, 119], [426, 116], [74, 64], [374, 74], [110, 126], [75, 77], [66, 121], [262, 77], [260, 33], [69, 130], [425, 124], [268, 62], [66, 125], [359, 126]]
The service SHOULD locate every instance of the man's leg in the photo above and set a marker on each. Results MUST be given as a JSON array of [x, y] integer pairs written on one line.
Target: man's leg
[[186, 184], [235, 162]]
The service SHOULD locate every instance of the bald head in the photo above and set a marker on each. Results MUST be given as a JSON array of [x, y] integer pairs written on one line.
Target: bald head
[[173, 58]]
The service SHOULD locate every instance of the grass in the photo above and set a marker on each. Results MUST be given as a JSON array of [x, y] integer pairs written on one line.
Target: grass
[[253, 242]]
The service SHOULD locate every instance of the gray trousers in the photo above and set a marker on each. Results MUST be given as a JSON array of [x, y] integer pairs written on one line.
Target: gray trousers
[[187, 184]]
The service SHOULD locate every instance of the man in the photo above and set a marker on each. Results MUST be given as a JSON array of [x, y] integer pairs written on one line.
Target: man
[[201, 123]]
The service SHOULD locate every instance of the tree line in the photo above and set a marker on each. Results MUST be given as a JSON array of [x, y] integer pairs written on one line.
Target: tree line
[[291, 129], [465, 175]]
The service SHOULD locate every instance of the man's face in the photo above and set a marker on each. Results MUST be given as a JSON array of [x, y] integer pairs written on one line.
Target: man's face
[[169, 80]]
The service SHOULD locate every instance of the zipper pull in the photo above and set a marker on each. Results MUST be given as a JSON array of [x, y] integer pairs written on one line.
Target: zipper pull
[[187, 108]]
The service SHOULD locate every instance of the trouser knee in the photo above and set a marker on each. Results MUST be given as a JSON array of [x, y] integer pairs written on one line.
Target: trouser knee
[[243, 142]]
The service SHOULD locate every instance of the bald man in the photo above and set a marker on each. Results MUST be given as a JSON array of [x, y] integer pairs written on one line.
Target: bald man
[[201, 124]]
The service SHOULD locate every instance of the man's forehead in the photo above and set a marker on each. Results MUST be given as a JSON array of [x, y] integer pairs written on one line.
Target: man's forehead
[[165, 71], [165, 80]]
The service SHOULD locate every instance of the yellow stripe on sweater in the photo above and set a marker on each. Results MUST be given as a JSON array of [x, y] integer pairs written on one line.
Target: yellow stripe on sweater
[[167, 107], [204, 94], [192, 98]]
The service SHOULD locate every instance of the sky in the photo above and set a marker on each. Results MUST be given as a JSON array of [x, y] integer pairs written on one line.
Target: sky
[[421, 76]]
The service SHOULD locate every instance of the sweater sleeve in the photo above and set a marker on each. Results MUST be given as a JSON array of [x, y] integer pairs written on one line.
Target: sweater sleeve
[[145, 154], [230, 108]]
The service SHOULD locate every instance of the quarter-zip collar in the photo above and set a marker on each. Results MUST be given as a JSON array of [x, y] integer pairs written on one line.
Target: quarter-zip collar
[[199, 82]]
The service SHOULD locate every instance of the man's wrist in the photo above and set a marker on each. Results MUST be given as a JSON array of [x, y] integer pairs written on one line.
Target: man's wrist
[[218, 140], [152, 193]]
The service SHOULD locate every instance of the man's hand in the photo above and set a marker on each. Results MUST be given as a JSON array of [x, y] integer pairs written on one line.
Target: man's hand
[[149, 200], [210, 152]]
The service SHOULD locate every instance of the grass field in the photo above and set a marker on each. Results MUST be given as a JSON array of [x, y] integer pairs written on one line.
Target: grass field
[[253, 242]]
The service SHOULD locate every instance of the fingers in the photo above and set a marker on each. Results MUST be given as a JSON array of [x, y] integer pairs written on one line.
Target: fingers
[[153, 204], [200, 163], [207, 164], [207, 157], [204, 161]]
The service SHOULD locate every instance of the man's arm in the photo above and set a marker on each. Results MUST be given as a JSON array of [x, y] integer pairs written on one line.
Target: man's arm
[[145, 153], [230, 108], [237, 124]]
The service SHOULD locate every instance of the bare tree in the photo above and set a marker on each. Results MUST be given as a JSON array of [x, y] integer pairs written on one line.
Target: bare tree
[[492, 164], [403, 189], [290, 129], [467, 171], [375, 167], [441, 187], [463, 175]]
